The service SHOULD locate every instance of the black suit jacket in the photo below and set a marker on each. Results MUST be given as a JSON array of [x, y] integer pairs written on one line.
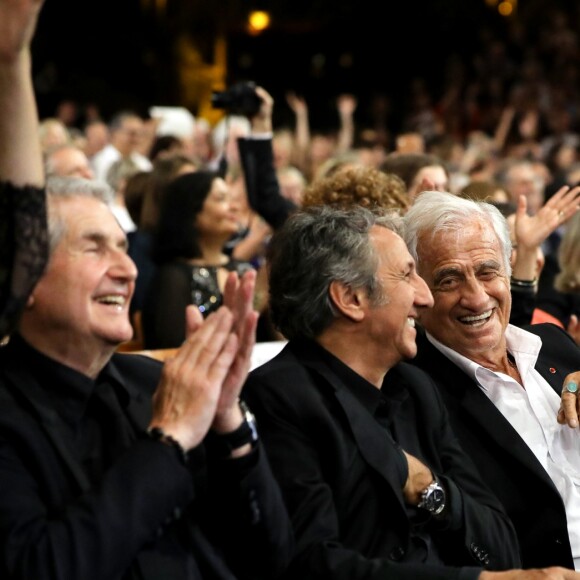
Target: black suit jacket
[[342, 482], [504, 460], [55, 525]]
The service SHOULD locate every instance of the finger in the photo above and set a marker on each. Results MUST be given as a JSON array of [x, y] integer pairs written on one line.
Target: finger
[[204, 345], [193, 319], [242, 299], [522, 208], [558, 195], [246, 344], [569, 410], [230, 290], [241, 365], [246, 293], [221, 365], [564, 201]]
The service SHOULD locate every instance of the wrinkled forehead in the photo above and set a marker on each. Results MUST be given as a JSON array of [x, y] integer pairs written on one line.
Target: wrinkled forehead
[[470, 238], [77, 214]]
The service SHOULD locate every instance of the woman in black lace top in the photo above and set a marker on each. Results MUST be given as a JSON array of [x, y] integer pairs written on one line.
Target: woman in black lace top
[[23, 231], [196, 220]]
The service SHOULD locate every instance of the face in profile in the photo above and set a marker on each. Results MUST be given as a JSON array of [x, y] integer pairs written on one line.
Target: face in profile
[[84, 296], [219, 214], [392, 320]]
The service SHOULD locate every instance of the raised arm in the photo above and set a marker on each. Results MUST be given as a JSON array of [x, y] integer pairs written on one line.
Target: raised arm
[[302, 129], [346, 105], [532, 231], [20, 155]]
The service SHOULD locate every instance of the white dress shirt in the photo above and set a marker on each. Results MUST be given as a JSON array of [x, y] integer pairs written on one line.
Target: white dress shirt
[[532, 413]]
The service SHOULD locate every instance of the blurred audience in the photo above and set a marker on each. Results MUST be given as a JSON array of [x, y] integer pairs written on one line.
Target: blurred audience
[[196, 219], [419, 171], [126, 133]]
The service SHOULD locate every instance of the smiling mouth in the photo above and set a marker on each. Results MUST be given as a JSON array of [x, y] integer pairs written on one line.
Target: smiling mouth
[[477, 320], [113, 300], [410, 321]]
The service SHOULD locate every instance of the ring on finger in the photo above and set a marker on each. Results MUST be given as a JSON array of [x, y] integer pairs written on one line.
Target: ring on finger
[[571, 387], [561, 214]]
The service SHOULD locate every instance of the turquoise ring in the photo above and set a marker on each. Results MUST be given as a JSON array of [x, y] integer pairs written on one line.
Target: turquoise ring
[[571, 387]]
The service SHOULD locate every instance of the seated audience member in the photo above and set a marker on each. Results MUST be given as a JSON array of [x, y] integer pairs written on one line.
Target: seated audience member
[[409, 142], [119, 467], [117, 176], [518, 177], [126, 132], [250, 241], [485, 190], [249, 244], [111, 467], [363, 186], [415, 168], [23, 228], [371, 148], [96, 137], [165, 146], [501, 384], [174, 132], [527, 234], [143, 195], [559, 290], [375, 481], [52, 133], [292, 183], [336, 163], [196, 220], [67, 161]]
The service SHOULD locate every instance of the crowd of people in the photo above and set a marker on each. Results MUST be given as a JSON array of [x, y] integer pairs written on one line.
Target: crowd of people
[[422, 418]]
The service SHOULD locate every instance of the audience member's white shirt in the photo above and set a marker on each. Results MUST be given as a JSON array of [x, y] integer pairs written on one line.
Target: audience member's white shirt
[[102, 161], [123, 217], [532, 413]]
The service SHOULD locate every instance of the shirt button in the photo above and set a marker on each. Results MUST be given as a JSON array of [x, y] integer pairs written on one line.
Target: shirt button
[[396, 553]]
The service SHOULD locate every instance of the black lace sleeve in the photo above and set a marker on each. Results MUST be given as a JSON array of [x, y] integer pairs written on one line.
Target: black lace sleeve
[[23, 248]]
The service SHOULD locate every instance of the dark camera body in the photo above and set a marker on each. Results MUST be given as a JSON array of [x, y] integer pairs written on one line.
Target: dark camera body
[[239, 99]]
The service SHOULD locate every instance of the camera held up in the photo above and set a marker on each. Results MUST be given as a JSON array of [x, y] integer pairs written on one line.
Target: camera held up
[[239, 99]]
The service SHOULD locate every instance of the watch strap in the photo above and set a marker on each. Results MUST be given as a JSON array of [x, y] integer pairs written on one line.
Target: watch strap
[[223, 444]]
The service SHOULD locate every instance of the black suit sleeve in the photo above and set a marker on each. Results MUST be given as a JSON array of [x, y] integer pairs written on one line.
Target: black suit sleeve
[[311, 453], [261, 181]]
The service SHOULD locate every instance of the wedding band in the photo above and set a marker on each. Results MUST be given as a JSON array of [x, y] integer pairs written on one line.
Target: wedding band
[[560, 214], [571, 387]]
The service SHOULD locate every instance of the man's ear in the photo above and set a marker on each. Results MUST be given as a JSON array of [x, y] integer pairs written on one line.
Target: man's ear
[[351, 303]]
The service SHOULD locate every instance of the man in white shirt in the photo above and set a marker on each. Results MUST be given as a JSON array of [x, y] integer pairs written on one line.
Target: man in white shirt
[[126, 129], [501, 383]]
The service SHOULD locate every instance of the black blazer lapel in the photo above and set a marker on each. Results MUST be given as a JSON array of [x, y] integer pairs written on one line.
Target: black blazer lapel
[[373, 442], [472, 401], [139, 409]]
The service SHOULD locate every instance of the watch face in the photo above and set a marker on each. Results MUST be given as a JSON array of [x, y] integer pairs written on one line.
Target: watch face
[[434, 499]]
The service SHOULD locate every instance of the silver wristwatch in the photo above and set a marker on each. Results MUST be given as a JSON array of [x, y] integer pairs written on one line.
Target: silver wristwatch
[[433, 498]]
